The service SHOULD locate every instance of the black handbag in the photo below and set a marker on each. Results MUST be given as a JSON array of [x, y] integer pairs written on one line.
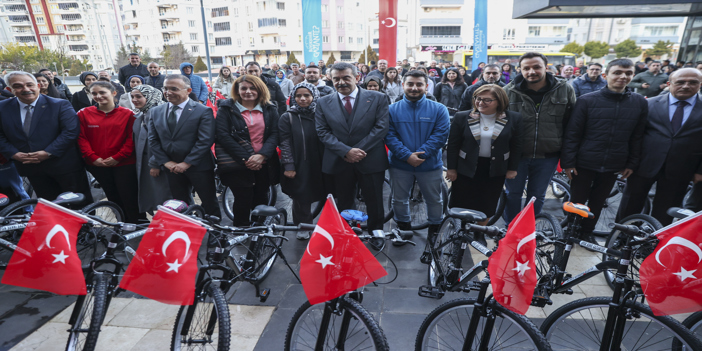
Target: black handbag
[[225, 163]]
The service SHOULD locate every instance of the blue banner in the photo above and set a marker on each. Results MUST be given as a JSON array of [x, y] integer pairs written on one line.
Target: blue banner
[[480, 34], [312, 30]]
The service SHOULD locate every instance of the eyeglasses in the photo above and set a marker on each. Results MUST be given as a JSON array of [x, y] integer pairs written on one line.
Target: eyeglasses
[[173, 89], [486, 101]]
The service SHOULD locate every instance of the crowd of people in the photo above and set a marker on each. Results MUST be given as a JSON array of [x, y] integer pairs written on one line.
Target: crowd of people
[[314, 129]]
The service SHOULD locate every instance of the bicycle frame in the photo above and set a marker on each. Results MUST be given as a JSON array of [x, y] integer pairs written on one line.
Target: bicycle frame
[[332, 306]]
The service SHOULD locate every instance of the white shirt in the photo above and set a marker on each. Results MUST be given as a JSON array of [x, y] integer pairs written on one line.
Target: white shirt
[[178, 111], [23, 109], [486, 122], [352, 95]]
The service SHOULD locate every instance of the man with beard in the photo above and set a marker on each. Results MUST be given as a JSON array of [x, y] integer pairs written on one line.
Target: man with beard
[[545, 103], [491, 75], [254, 69], [313, 76]]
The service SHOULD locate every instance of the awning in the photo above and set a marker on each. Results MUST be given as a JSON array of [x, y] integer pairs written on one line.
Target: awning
[[604, 8]]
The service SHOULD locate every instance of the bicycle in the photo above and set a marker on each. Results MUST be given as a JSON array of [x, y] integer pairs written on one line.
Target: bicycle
[[196, 325], [227, 197], [619, 322], [341, 323], [559, 187], [480, 323]]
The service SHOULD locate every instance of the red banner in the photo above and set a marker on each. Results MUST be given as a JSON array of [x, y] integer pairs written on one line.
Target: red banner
[[387, 29]]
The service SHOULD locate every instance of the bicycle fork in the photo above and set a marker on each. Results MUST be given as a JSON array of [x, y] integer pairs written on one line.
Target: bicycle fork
[[479, 311], [616, 315]]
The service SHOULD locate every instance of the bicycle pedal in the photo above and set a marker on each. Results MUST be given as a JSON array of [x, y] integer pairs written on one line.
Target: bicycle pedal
[[429, 291], [541, 301], [264, 294], [569, 292]]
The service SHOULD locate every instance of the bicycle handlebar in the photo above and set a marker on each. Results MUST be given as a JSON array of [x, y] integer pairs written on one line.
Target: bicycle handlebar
[[630, 230], [491, 231]]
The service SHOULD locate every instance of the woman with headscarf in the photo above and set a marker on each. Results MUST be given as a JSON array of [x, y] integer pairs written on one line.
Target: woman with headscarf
[[301, 155], [567, 73], [224, 82], [153, 185], [126, 100], [83, 98], [374, 83], [46, 87], [286, 85]]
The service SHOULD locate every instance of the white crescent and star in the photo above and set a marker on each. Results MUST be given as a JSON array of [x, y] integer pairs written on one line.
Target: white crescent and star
[[319, 230], [57, 229], [60, 257], [394, 22], [523, 267], [325, 261], [684, 273], [175, 236]]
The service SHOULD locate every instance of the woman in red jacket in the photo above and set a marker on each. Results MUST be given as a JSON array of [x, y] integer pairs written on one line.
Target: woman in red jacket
[[108, 150]]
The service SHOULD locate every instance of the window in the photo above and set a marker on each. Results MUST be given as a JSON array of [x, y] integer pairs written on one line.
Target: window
[[219, 27], [325, 24], [325, 39], [40, 20], [223, 41], [598, 36], [656, 31], [340, 25], [534, 31], [282, 23], [193, 36], [339, 9], [325, 8], [59, 28], [360, 27], [251, 41], [359, 40], [189, 10], [36, 9], [195, 48], [443, 31], [280, 6], [238, 42], [220, 11], [210, 36], [263, 40], [267, 22], [209, 24], [250, 27], [216, 60], [559, 31], [236, 12], [345, 55], [275, 40], [71, 17], [341, 39], [43, 30], [350, 40], [191, 24], [299, 38], [45, 39], [508, 34], [68, 6]]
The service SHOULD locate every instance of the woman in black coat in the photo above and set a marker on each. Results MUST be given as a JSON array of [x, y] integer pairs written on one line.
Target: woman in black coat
[[450, 90], [301, 154], [484, 148], [82, 98], [247, 137]]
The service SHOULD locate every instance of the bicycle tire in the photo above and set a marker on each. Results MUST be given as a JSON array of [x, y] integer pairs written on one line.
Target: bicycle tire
[[228, 199], [387, 203], [616, 241], [92, 313], [364, 331], [546, 253], [694, 324], [501, 204], [265, 252], [195, 211], [447, 255], [213, 304], [107, 210], [419, 213], [589, 316], [27, 185], [15, 207], [445, 328]]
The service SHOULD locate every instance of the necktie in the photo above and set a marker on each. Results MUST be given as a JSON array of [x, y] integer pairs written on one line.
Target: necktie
[[172, 119], [678, 116], [347, 104], [27, 120]]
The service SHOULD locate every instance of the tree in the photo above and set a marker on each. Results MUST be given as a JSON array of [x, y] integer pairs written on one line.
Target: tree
[[660, 48], [200, 65], [596, 49], [331, 60], [627, 48], [17, 56], [292, 59], [372, 56], [78, 67], [174, 55], [573, 48]]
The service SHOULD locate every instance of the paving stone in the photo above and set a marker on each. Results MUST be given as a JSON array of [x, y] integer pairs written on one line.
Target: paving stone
[[50, 337], [273, 337], [154, 339], [121, 338], [146, 314], [400, 329], [243, 342], [407, 301], [249, 320]]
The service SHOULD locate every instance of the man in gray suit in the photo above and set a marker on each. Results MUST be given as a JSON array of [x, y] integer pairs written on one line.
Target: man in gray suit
[[352, 124], [672, 151], [181, 134]]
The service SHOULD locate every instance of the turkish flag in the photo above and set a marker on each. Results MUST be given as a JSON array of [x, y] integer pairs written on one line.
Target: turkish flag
[[336, 261], [511, 266], [164, 267], [387, 30], [671, 277], [46, 256], [212, 106], [219, 96]]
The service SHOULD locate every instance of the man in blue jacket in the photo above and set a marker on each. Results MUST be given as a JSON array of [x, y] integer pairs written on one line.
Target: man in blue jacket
[[418, 130], [592, 81], [197, 84]]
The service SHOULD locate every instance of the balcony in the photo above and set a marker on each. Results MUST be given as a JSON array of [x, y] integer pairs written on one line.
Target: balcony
[[71, 17], [19, 20], [171, 28], [67, 7], [74, 30], [546, 40], [27, 39], [16, 9], [22, 30], [644, 40], [78, 48], [168, 15], [130, 19]]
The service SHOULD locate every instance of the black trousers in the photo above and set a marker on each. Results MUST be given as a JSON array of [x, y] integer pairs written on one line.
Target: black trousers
[[50, 186], [181, 186], [121, 187], [247, 197], [669, 193], [371, 186], [302, 212], [594, 188]]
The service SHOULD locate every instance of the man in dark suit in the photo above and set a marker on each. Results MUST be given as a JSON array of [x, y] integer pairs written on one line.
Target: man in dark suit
[[181, 134], [39, 133], [672, 151], [352, 125]]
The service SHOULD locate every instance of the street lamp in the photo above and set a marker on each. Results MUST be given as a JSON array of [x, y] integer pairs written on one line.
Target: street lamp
[[207, 45]]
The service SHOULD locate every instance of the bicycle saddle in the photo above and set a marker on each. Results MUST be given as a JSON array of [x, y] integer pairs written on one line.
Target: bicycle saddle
[[69, 198], [578, 209], [4, 200], [265, 211], [467, 215], [679, 213], [176, 205], [354, 215]]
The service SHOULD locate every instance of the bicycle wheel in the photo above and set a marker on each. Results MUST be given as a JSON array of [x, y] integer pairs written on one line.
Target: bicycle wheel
[[579, 325], [28, 188], [387, 202], [195, 211], [84, 332], [210, 327], [616, 240], [548, 228], [108, 211], [362, 332], [228, 202], [556, 188], [447, 251], [610, 209], [266, 250], [445, 328], [694, 323], [18, 208], [501, 203]]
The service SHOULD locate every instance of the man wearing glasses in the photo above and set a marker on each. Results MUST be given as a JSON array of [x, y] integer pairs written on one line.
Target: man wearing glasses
[[592, 81], [491, 75], [181, 133]]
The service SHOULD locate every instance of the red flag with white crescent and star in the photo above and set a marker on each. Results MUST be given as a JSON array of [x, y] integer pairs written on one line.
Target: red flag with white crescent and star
[[671, 276], [387, 31], [46, 257], [164, 267], [336, 261], [511, 267]]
